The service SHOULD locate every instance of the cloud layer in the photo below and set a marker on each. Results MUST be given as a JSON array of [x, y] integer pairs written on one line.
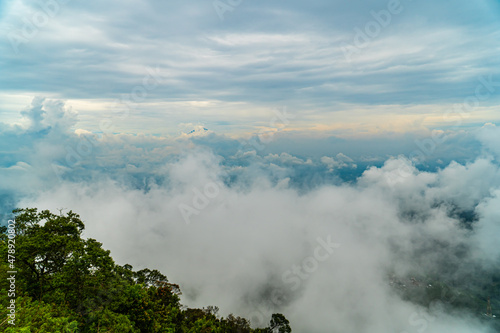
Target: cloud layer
[[421, 58], [257, 232], [253, 248]]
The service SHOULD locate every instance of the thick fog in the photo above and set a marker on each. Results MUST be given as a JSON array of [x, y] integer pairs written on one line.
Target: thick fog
[[325, 258], [246, 233]]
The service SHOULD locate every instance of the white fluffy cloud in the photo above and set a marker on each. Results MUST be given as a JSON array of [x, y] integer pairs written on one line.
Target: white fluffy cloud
[[243, 245], [263, 232]]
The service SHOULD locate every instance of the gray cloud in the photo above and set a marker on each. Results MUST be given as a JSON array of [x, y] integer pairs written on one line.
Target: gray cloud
[[261, 53], [243, 242], [253, 241]]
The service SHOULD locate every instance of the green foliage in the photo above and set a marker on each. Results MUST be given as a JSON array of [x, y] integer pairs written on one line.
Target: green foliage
[[280, 323], [235, 324], [65, 283], [35, 316]]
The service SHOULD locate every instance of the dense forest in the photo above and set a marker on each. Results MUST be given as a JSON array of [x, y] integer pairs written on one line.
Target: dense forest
[[65, 283]]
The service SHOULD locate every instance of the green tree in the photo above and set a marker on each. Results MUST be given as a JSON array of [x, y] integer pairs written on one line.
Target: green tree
[[36, 316], [278, 324], [234, 324], [65, 283]]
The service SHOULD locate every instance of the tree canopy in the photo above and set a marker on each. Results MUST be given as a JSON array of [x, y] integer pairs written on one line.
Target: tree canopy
[[65, 283]]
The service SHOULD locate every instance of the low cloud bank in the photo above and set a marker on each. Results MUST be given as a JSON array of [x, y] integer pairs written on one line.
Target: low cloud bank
[[237, 232], [326, 258]]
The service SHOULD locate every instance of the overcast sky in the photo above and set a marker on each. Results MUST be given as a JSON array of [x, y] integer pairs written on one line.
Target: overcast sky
[[357, 67]]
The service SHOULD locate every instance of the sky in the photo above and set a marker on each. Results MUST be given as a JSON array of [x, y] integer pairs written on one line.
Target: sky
[[293, 157], [331, 63]]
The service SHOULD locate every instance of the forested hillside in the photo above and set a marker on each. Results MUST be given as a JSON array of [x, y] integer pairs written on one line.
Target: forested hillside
[[65, 283]]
